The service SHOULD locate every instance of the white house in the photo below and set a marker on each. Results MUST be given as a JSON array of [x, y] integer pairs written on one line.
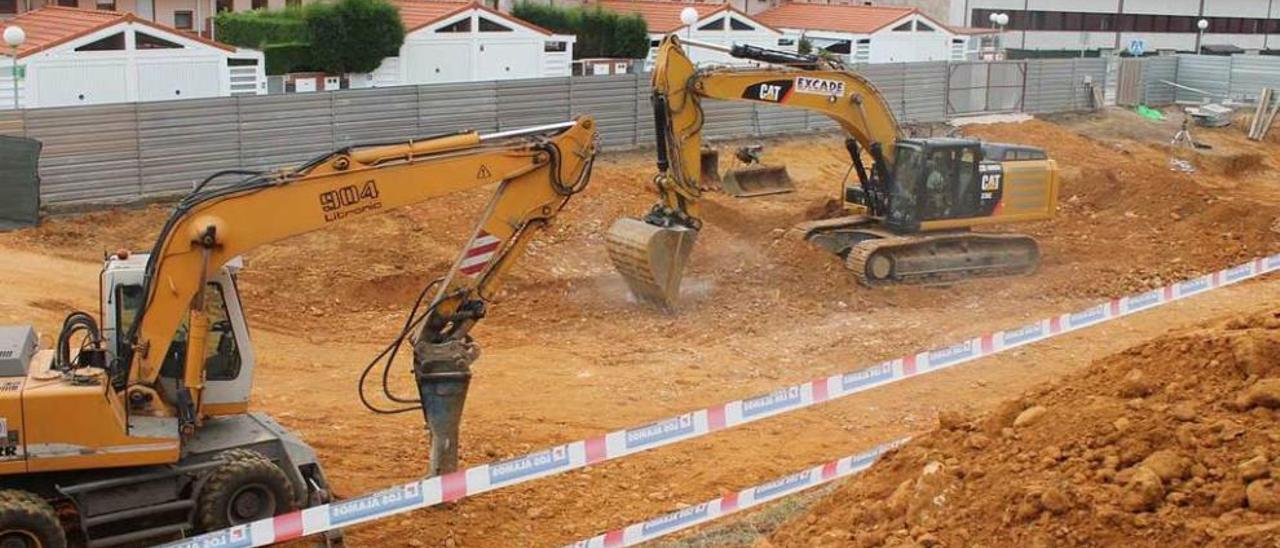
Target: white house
[[89, 57], [1170, 25], [457, 42], [869, 34], [717, 23]]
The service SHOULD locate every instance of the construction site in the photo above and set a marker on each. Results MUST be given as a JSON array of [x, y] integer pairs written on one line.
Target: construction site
[[1034, 331]]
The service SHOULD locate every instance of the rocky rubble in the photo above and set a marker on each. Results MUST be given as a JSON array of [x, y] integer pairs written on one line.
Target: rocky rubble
[[1172, 443]]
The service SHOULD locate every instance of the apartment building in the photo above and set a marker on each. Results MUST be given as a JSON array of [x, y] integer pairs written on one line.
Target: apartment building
[[1108, 25]]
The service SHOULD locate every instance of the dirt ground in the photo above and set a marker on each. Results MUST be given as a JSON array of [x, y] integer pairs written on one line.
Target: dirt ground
[[1171, 442], [567, 354]]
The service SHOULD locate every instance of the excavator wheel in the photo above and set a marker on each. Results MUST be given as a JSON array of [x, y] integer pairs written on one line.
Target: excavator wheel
[[245, 487], [941, 258], [28, 521], [650, 258]]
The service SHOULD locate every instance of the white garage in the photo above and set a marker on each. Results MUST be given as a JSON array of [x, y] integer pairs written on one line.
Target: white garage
[[89, 57], [869, 34], [717, 24], [453, 42]]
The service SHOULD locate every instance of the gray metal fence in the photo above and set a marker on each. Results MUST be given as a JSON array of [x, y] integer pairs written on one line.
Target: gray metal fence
[[1238, 77], [128, 152]]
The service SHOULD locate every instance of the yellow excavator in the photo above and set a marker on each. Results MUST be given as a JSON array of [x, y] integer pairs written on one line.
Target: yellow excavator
[[913, 204], [136, 426]]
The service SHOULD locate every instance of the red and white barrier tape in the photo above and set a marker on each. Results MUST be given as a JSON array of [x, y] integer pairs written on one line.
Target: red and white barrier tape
[[579, 454], [711, 510]]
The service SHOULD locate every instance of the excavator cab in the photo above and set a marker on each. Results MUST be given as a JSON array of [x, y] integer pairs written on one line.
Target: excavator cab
[[932, 180]]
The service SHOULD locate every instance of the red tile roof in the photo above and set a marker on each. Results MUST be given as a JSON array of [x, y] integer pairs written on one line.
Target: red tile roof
[[51, 26], [416, 14], [835, 17], [661, 17]]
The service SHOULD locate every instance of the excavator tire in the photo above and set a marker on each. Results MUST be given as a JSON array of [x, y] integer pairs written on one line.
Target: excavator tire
[[941, 258], [28, 521], [246, 487], [650, 258]]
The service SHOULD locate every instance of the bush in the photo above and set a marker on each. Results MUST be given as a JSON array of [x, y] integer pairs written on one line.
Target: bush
[[256, 29], [353, 35], [333, 37], [601, 33], [288, 57]]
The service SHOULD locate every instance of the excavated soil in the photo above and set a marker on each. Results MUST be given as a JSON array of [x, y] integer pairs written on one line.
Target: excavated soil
[[1170, 443], [567, 354]]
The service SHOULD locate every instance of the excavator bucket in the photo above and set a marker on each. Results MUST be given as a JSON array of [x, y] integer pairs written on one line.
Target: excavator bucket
[[710, 179], [650, 258], [757, 180]]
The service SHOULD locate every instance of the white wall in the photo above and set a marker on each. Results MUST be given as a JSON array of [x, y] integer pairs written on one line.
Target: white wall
[[428, 56], [64, 77], [761, 36], [1162, 7], [1236, 8]]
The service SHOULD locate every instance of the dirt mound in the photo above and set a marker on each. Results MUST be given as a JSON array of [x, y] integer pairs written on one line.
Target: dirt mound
[[1172, 442]]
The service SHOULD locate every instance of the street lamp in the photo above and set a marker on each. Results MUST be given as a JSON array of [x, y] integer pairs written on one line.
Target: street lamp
[[1203, 25], [688, 16], [14, 36], [999, 20]]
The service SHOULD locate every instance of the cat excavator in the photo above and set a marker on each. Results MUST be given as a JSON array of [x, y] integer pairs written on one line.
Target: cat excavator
[[135, 425], [912, 206]]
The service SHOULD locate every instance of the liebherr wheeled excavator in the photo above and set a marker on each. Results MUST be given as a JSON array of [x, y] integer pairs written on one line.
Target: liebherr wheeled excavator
[[915, 200], [136, 424]]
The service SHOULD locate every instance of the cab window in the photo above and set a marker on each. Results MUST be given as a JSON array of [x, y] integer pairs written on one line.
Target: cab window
[[221, 353]]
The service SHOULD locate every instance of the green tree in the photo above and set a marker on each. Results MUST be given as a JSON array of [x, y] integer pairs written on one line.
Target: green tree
[[600, 32], [353, 35], [804, 46]]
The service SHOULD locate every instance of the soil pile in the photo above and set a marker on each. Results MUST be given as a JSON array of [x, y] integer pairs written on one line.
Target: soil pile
[[1173, 442]]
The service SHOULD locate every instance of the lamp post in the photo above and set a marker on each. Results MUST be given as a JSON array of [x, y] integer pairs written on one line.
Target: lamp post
[[999, 20], [14, 36], [689, 17], [1203, 25]]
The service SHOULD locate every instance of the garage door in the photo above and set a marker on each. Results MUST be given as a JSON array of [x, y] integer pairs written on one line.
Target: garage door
[[79, 83], [186, 79], [430, 63], [509, 60]]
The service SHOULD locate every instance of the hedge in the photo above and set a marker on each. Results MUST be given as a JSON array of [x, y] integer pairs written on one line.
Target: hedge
[[288, 57], [601, 33], [334, 37], [255, 29], [353, 35]]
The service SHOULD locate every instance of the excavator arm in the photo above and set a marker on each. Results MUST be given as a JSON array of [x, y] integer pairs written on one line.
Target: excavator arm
[[536, 171], [651, 254]]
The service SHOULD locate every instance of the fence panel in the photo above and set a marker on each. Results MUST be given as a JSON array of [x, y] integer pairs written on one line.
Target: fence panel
[[444, 108], [775, 120], [1156, 70], [924, 94], [182, 142], [279, 130], [11, 123], [889, 78], [532, 102], [1210, 73], [375, 115], [159, 148], [90, 153], [1251, 73], [612, 101], [726, 119]]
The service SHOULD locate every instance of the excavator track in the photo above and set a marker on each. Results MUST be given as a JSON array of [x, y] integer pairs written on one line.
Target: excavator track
[[941, 258]]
